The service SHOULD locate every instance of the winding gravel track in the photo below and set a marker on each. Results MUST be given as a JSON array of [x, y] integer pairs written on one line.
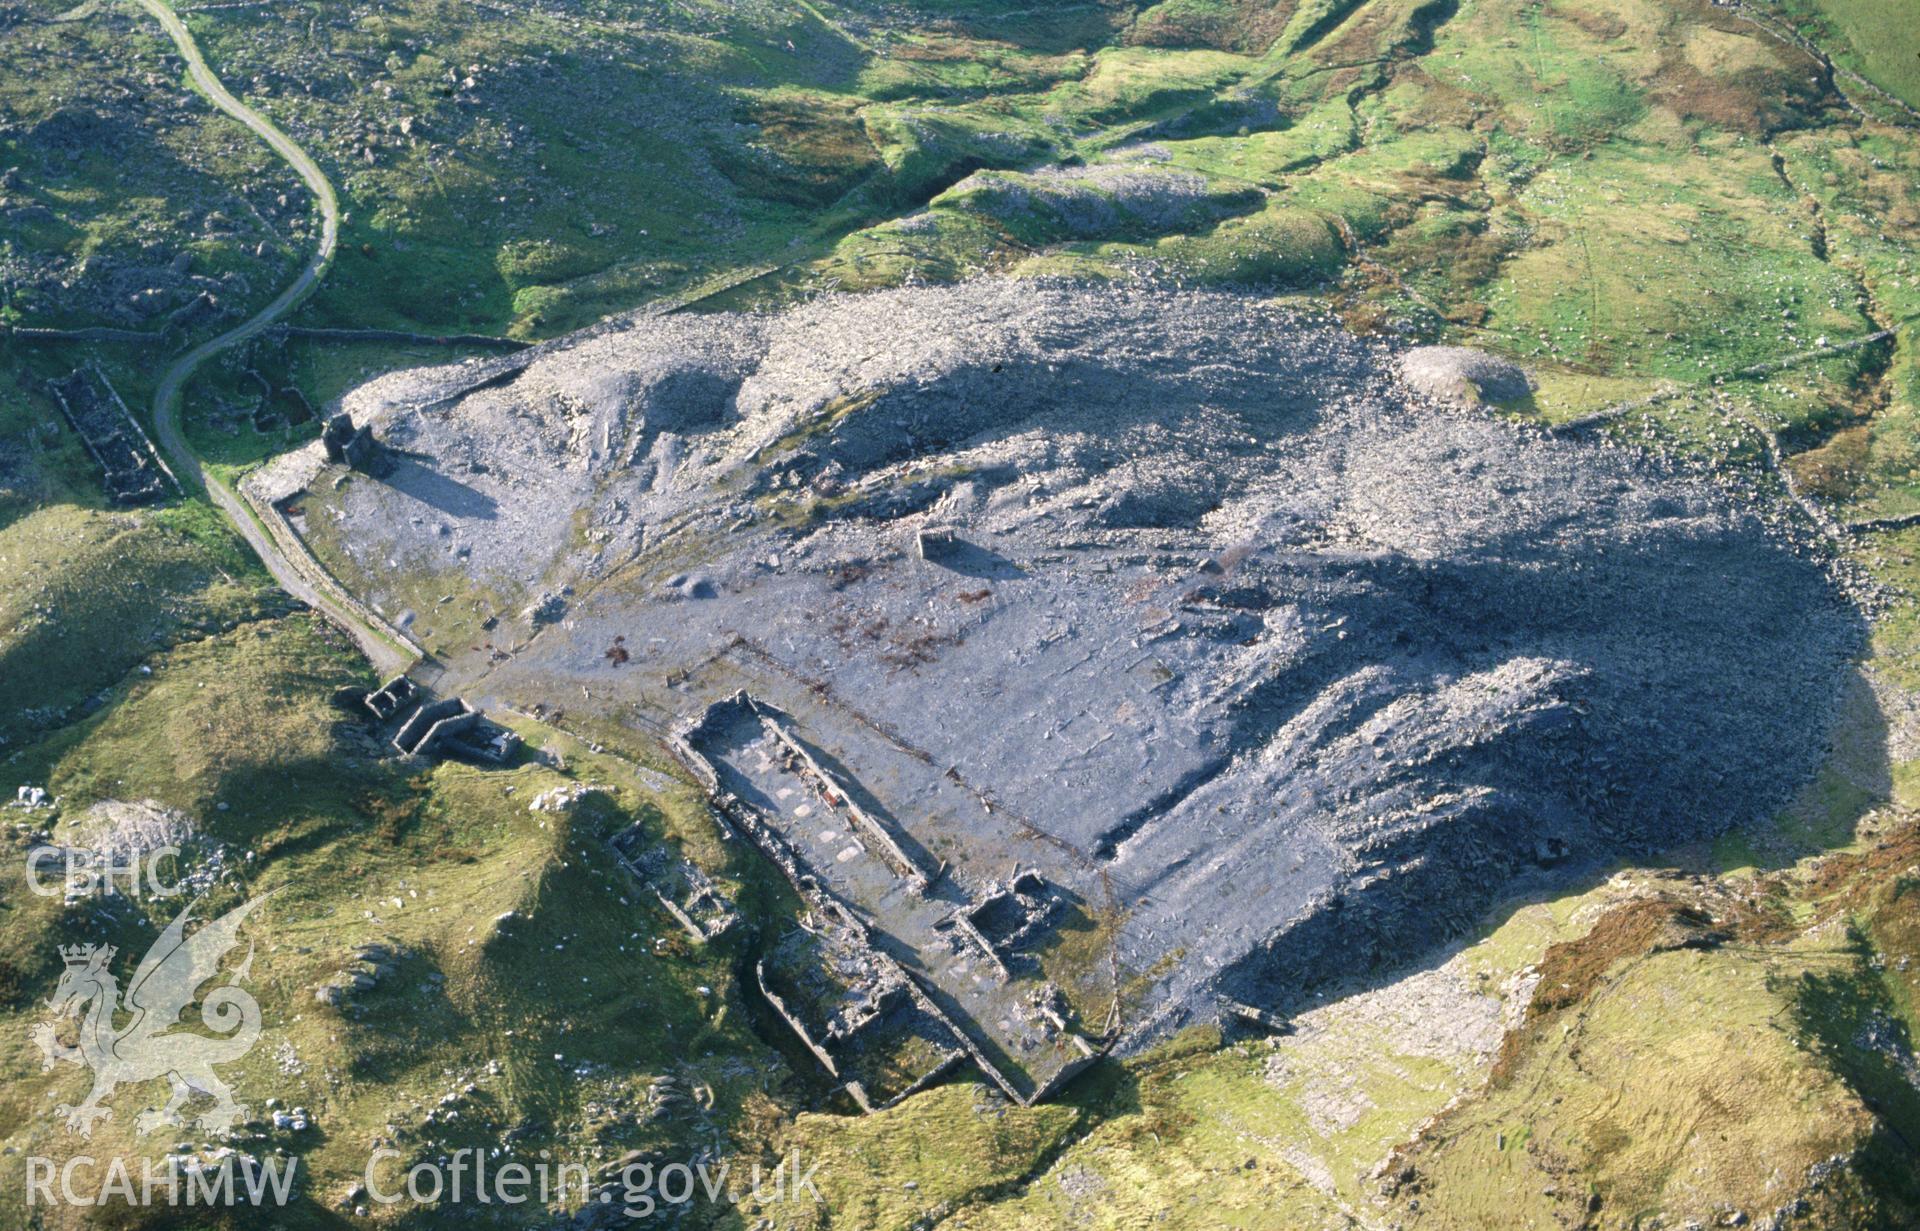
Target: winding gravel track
[[292, 569]]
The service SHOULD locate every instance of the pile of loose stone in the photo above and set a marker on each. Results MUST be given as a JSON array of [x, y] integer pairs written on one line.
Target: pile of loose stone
[[1328, 660]]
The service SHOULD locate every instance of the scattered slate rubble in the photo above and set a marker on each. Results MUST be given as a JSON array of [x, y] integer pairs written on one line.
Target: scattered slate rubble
[[114, 847], [1191, 605], [561, 798], [126, 829], [683, 890], [547, 609]]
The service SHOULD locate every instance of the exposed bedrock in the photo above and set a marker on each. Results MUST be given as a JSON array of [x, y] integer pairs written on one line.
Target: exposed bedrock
[[1306, 666]]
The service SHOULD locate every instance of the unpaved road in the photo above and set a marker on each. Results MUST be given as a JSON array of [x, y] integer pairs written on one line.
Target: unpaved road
[[294, 571]]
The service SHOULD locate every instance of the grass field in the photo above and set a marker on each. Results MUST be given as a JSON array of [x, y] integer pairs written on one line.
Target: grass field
[[1881, 40]]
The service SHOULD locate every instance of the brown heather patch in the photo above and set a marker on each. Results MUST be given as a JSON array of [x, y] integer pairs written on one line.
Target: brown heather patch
[[1249, 26], [1754, 101], [1570, 971], [820, 150], [1835, 470], [1603, 26], [1468, 259], [1194, 28], [936, 50], [1438, 104], [1763, 915], [1374, 33], [1852, 876]]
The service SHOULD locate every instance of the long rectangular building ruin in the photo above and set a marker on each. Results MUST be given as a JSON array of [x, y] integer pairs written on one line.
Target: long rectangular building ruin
[[910, 962], [130, 469]]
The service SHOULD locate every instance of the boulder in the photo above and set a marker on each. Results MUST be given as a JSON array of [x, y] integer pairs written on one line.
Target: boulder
[[1463, 376]]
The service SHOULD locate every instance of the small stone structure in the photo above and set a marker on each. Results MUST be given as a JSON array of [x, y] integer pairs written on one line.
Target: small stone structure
[[448, 727], [346, 444], [393, 698], [685, 891], [451, 727], [836, 795], [433, 719], [934, 544], [856, 1011], [1005, 917]]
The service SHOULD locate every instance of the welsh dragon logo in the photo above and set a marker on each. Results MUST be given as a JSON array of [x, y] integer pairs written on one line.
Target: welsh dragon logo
[[148, 1046]]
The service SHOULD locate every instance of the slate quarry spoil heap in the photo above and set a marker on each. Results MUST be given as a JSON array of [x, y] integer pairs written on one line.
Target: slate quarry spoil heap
[[1073, 639]]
